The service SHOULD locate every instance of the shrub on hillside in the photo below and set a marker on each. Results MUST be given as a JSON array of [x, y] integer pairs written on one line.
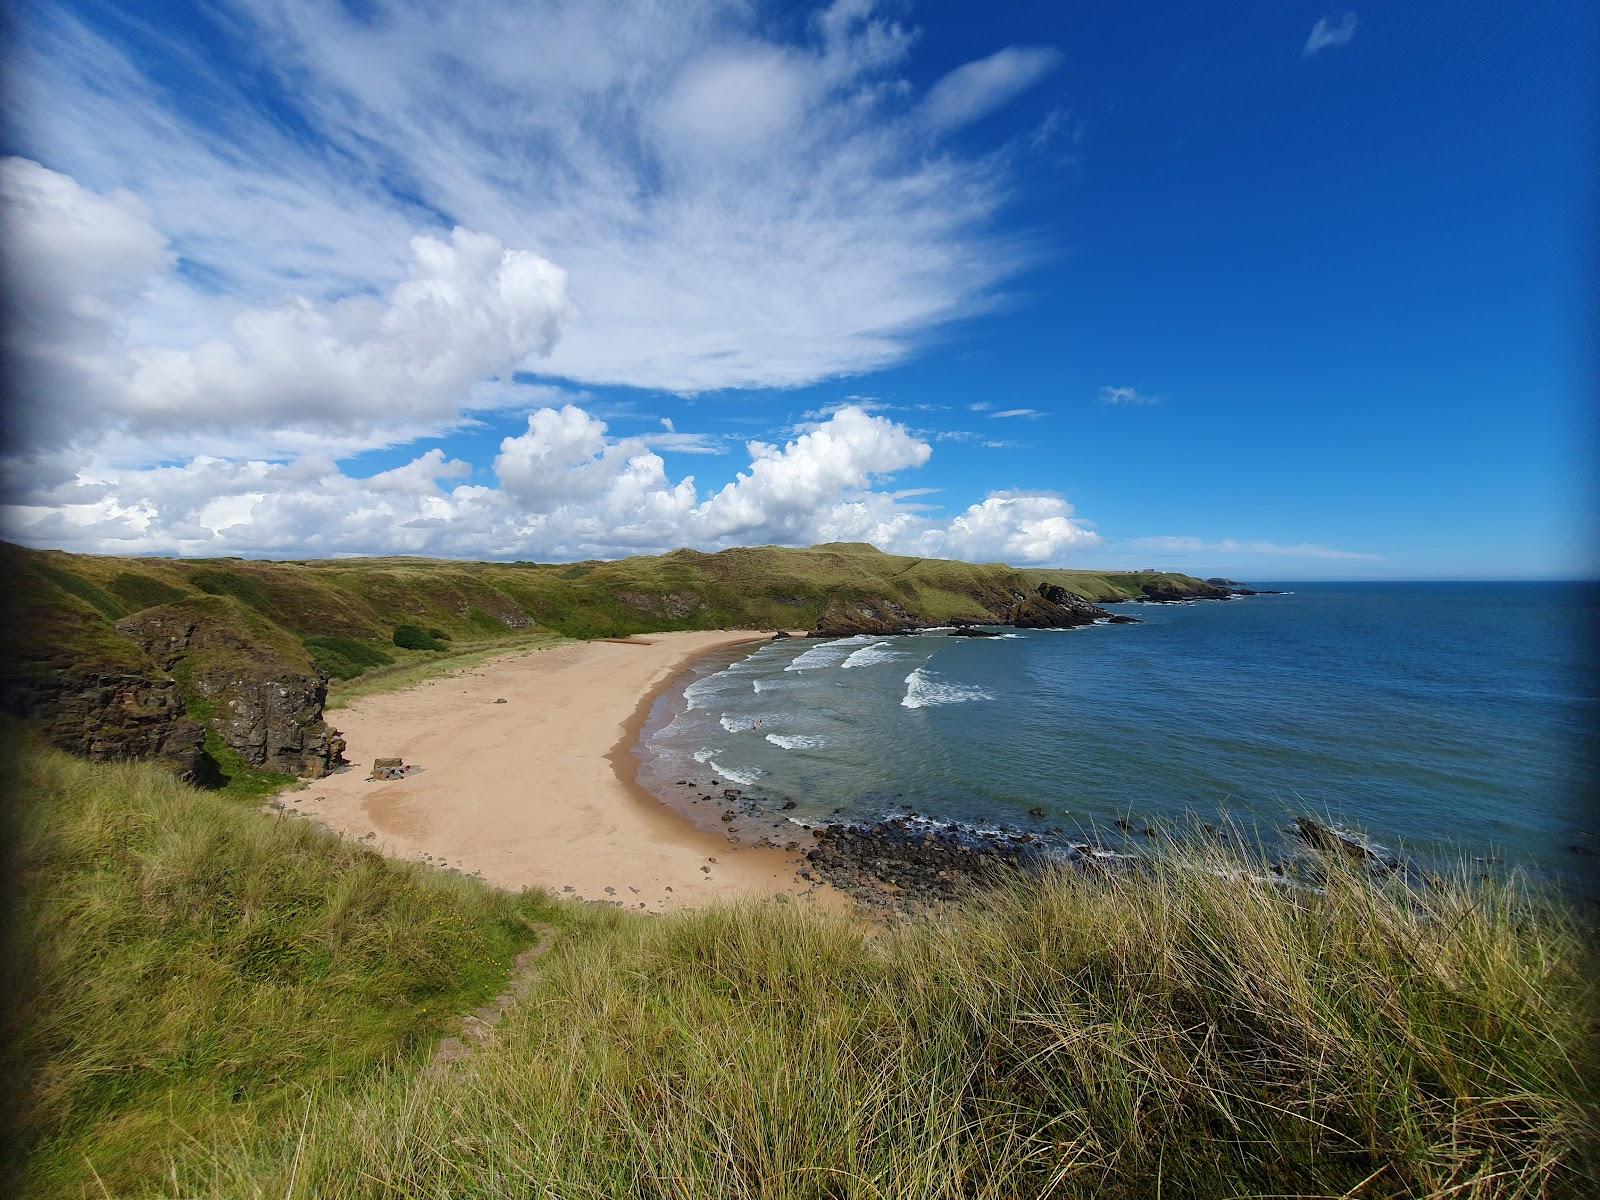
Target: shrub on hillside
[[143, 591], [409, 637], [76, 585], [345, 658], [241, 587]]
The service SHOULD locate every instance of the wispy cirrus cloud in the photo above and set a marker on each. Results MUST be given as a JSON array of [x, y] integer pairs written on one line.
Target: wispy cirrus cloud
[[1228, 546], [692, 174], [1126, 395], [1007, 413], [974, 90], [1328, 33]]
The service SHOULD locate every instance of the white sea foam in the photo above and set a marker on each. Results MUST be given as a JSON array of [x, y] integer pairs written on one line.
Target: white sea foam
[[744, 775], [828, 654], [796, 741], [703, 755], [773, 685], [701, 690], [868, 656], [924, 691]]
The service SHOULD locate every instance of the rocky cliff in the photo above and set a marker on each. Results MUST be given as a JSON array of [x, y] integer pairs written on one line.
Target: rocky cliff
[[261, 693], [1046, 606]]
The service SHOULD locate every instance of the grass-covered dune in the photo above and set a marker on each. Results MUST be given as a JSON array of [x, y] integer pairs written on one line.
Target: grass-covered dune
[[228, 1004], [190, 967]]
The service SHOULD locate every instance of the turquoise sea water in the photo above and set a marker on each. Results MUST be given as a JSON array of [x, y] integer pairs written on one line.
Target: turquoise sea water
[[1424, 713]]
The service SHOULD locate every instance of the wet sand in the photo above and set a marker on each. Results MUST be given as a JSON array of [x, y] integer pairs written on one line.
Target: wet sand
[[540, 790]]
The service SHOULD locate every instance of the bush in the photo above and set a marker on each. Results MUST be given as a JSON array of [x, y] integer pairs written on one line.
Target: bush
[[76, 585], [409, 637], [144, 591], [345, 658], [439, 634], [242, 587]]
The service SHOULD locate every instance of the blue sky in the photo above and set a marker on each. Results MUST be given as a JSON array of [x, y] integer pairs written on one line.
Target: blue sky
[[1273, 290]]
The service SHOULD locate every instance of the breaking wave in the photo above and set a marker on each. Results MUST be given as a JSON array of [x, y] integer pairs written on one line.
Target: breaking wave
[[826, 655], [868, 656], [695, 695], [744, 775], [796, 741], [925, 691]]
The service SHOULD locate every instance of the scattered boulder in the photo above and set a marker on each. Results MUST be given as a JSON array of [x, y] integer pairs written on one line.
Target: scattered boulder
[[1336, 841]]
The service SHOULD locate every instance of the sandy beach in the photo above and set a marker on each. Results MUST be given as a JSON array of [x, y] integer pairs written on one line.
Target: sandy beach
[[539, 790]]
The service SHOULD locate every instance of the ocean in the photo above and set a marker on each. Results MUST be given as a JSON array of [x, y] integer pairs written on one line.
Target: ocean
[[1434, 716]]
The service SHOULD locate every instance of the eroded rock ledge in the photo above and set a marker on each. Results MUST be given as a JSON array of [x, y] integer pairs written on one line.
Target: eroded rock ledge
[[263, 700]]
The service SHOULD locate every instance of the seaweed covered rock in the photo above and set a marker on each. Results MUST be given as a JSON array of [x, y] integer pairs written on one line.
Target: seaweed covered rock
[[260, 691]]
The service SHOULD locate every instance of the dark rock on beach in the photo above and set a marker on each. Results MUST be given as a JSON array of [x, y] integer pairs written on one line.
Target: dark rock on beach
[[907, 867], [1336, 841]]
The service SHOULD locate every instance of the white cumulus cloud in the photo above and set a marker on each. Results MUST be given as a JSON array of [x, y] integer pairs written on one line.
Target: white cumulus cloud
[[563, 489], [370, 368]]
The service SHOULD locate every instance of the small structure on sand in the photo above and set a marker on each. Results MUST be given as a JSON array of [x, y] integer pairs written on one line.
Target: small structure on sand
[[387, 768]]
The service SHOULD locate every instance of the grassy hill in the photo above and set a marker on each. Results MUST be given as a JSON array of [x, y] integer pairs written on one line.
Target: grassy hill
[[224, 1003], [112, 655]]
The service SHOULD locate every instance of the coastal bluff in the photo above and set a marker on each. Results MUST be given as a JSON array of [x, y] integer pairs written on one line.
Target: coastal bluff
[[220, 668]]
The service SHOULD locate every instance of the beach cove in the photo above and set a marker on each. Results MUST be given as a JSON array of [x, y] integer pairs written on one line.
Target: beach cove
[[521, 774]]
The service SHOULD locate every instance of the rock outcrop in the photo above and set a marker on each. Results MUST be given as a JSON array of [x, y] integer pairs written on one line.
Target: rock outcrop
[[1047, 607], [1053, 607], [264, 701], [110, 715], [85, 690], [1163, 591], [848, 618]]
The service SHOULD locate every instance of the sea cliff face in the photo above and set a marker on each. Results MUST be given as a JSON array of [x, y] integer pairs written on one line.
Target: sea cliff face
[[160, 658]]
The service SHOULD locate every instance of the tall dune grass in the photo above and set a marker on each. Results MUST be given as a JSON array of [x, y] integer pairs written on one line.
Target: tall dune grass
[[1187, 1032], [228, 1004], [191, 966]]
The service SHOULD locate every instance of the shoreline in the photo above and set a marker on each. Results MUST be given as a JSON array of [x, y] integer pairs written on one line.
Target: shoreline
[[523, 775]]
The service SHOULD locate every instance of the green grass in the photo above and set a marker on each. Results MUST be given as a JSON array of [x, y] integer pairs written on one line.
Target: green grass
[[196, 968], [234, 1005], [83, 589], [346, 658], [409, 637], [143, 591], [417, 670], [1181, 1034]]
